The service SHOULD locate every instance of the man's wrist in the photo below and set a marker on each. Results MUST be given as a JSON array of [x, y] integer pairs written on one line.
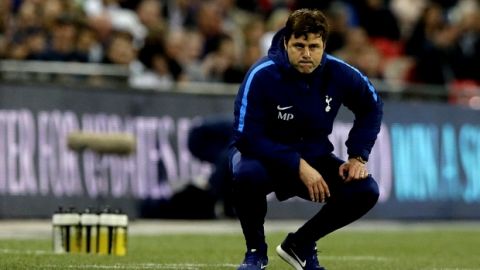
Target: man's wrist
[[359, 158]]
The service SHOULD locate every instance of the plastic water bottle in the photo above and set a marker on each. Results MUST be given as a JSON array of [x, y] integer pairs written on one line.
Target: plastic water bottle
[[106, 222], [120, 234], [72, 233], [89, 227], [59, 236]]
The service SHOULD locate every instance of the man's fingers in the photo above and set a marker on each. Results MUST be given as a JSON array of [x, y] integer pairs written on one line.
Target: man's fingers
[[326, 190], [356, 174], [323, 191], [361, 173], [318, 193], [343, 172], [311, 193]]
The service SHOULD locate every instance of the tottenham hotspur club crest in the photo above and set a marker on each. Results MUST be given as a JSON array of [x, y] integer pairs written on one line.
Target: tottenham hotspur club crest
[[327, 100]]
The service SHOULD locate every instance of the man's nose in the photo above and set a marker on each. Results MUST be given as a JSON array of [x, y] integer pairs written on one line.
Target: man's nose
[[306, 52]]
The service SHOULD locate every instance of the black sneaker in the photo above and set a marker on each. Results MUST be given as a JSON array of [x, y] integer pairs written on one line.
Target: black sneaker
[[300, 257], [254, 260]]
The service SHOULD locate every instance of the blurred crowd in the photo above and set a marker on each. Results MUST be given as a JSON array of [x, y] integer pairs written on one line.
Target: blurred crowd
[[165, 42]]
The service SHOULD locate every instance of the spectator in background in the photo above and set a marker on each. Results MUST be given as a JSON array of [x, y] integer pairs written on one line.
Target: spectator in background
[[150, 15], [160, 64], [88, 44], [233, 18], [121, 51], [108, 15], [466, 60], [51, 11], [275, 21], [384, 36], [407, 13], [103, 28], [174, 43], [190, 60], [430, 22], [253, 32], [465, 89], [378, 20], [27, 18], [220, 65], [359, 52], [252, 53], [157, 75], [435, 64], [36, 41], [181, 14], [5, 8], [62, 45], [338, 18], [209, 22], [17, 50], [356, 40], [234, 21], [430, 48]]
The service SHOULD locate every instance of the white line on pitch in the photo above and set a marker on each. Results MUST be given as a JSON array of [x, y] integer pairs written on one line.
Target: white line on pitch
[[185, 266], [24, 251], [451, 268], [354, 258]]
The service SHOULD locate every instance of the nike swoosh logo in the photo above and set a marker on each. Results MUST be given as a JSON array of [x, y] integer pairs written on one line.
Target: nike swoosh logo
[[302, 263], [283, 108], [263, 266]]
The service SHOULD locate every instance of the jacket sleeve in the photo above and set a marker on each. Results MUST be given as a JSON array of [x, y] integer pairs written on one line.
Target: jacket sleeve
[[365, 103], [251, 120]]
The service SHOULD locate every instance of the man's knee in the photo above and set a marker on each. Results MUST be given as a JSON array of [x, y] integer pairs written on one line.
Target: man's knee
[[369, 189], [248, 171], [250, 175]]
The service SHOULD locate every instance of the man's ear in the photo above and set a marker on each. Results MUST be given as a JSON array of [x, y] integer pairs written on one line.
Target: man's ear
[[285, 43]]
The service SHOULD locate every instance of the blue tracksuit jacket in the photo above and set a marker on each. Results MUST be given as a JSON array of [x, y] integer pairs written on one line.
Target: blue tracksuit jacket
[[282, 115]]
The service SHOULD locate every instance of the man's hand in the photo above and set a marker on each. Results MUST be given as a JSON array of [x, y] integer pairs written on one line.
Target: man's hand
[[353, 169], [316, 185]]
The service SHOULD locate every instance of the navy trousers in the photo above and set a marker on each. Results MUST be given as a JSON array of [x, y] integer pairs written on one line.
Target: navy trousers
[[253, 180]]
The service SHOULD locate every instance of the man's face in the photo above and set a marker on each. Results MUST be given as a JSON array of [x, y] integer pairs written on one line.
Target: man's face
[[305, 54]]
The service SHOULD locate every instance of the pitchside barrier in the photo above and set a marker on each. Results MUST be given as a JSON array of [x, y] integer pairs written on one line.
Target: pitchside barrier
[[426, 159]]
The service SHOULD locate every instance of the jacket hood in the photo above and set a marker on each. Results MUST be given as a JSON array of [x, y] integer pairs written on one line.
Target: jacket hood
[[278, 54]]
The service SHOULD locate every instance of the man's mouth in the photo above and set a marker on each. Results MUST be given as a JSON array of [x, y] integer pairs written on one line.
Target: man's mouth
[[305, 63]]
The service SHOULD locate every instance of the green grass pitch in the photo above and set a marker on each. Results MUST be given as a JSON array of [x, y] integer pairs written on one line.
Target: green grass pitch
[[436, 248]]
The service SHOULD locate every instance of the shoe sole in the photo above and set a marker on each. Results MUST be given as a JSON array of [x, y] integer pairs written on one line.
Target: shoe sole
[[262, 267], [287, 258]]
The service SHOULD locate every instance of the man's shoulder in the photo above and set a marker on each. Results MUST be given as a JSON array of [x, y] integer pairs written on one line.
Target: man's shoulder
[[263, 64], [263, 68], [342, 70], [338, 64]]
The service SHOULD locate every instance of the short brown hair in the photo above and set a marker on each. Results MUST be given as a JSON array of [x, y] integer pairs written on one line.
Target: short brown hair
[[305, 21]]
